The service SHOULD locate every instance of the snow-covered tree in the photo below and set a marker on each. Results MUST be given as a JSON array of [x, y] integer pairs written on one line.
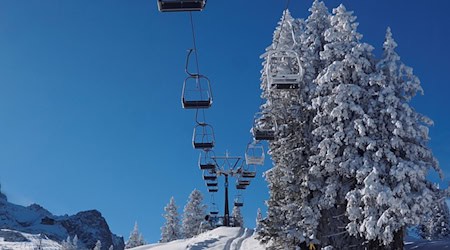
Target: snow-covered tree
[[350, 155], [395, 193], [98, 245], [259, 219], [171, 229], [136, 239], [436, 225], [193, 214], [237, 217], [68, 244], [111, 247]]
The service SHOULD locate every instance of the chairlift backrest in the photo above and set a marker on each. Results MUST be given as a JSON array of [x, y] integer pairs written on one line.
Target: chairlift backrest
[[284, 70], [181, 5]]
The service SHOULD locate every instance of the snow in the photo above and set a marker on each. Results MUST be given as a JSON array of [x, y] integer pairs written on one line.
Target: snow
[[10, 239], [233, 238], [221, 238]]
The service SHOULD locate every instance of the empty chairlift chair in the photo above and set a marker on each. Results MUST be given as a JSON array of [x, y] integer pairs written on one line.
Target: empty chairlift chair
[[254, 154], [264, 127], [283, 69], [205, 160], [238, 201], [196, 92], [243, 182], [248, 174], [214, 210], [209, 175], [181, 5], [203, 137], [241, 187]]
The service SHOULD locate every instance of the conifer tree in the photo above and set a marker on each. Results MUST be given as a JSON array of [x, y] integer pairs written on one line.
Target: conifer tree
[[259, 219], [350, 155], [193, 214], [171, 229], [136, 239], [98, 245], [237, 217]]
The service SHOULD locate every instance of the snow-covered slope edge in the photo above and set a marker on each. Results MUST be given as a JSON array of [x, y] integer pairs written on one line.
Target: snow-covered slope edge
[[10, 239]]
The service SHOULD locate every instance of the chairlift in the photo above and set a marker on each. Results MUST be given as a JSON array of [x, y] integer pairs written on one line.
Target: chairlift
[[254, 154], [214, 209], [213, 190], [283, 69], [196, 93], [209, 175], [243, 182], [181, 5], [211, 184], [238, 201], [248, 174], [264, 127], [203, 136], [205, 160]]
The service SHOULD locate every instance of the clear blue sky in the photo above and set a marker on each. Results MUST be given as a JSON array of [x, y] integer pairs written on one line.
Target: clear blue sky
[[90, 113]]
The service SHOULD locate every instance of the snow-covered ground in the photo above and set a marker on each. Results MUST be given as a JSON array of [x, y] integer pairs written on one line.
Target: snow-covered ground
[[222, 238], [14, 240], [232, 238]]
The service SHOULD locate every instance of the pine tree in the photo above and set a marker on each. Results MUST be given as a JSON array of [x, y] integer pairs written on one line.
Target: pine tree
[[67, 244], [395, 193], [193, 214], [111, 247], [75, 242], [136, 239], [237, 217], [98, 245], [436, 225], [259, 219], [171, 229], [350, 155]]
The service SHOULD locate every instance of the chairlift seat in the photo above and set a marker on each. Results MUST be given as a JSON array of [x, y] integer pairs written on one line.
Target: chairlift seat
[[184, 5], [241, 187], [244, 182], [211, 184], [213, 190], [214, 212], [263, 135], [248, 174], [203, 145], [207, 166], [209, 177], [238, 204], [203, 104]]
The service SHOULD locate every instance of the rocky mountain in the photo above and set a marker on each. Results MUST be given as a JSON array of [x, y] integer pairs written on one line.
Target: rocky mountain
[[89, 226]]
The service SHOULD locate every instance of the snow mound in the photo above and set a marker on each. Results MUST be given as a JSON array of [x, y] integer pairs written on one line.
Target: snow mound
[[221, 238], [10, 239]]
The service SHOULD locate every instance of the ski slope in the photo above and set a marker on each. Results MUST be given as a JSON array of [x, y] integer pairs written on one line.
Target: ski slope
[[222, 238], [232, 238]]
